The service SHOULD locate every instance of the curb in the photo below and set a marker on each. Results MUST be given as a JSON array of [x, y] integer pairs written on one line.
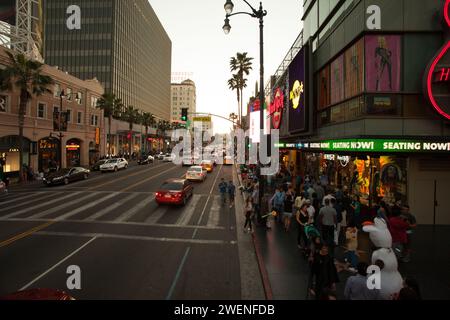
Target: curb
[[261, 265]]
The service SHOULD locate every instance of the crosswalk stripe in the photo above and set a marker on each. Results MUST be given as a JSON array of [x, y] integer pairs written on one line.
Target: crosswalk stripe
[[46, 203], [187, 214], [214, 213], [156, 215], [19, 202], [19, 198], [135, 209], [87, 206], [77, 201], [110, 208]]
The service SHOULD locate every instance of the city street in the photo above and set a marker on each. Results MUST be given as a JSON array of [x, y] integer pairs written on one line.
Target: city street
[[126, 246]]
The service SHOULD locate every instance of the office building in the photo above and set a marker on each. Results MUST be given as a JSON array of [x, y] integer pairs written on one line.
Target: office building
[[184, 95]]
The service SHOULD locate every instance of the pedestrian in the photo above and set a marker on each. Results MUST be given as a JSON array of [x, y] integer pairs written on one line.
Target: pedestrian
[[299, 201], [255, 198], [278, 202], [327, 223], [288, 209], [356, 206], [406, 214], [319, 191], [248, 214], [329, 196], [231, 193], [311, 211], [398, 226], [223, 191], [343, 224], [303, 220], [324, 272], [356, 287], [351, 253], [337, 205]]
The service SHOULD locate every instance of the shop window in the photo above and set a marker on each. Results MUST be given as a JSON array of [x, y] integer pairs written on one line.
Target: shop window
[[383, 104], [3, 103], [41, 110]]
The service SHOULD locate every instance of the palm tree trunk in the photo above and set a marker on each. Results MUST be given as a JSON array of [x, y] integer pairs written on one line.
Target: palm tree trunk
[[241, 109], [146, 141], [22, 109], [109, 135]]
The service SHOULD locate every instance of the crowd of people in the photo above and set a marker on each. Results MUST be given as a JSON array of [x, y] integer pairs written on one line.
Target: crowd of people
[[329, 220]]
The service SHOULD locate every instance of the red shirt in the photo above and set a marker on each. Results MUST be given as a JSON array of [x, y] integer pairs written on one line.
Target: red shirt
[[398, 229]]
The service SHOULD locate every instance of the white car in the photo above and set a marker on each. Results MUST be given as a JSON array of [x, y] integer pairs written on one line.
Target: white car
[[114, 165], [196, 173], [169, 158]]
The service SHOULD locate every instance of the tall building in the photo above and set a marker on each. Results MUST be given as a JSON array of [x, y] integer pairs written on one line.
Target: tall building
[[184, 95], [121, 43]]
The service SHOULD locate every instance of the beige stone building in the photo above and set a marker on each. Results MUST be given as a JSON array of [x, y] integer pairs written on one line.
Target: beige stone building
[[184, 95], [84, 140]]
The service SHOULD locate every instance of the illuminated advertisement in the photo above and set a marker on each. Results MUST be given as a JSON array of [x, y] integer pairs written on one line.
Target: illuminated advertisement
[[276, 108], [383, 60], [324, 88], [354, 69], [297, 90], [255, 127], [337, 80], [8, 11], [437, 76]]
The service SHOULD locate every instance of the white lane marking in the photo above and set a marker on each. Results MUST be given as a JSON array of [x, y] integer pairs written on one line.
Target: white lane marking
[[156, 215], [214, 213], [15, 214], [65, 205], [209, 197], [112, 207], [128, 237], [19, 197], [129, 223], [87, 206], [40, 199], [131, 212], [56, 265], [189, 212]]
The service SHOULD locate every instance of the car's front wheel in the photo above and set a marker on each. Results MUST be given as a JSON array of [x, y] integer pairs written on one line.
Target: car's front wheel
[[66, 181], [115, 169]]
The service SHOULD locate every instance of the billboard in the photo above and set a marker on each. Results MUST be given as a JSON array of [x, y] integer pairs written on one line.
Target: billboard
[[337, 80], [354, 69], [297, 90], [383, 59], [8, 11]]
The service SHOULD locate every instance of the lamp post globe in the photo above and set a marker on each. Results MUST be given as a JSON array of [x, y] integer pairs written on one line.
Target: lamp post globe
[[226, 27], [229, 6]]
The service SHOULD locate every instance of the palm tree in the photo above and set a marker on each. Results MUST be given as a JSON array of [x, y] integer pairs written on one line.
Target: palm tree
[[148, 120], [26, 76], [233, 117], [111, 106], [242, 65], [234, 84], [131, 115]]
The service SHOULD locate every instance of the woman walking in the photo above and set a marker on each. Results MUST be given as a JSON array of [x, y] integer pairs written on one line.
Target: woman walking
[[303, 219], [288, 209], [248, 214]]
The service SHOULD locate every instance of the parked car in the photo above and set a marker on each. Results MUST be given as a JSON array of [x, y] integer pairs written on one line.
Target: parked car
[[145, 160], [65, 176], [207, 165], [228, 161], [168, 157], [196, 173], [159, 156], [96, 166], [174, 191], [114, 165]]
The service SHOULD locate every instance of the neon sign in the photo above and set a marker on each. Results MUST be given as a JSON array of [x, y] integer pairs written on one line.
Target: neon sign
[[438, 76], [296, 94], [276, 108]]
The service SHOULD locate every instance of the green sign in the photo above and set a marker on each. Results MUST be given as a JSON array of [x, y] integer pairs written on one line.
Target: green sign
[[377, 145]]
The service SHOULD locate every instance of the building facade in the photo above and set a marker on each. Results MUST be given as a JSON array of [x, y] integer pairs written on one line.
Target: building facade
[[355, 110], [121, 43], [82, 143], [184, 95]]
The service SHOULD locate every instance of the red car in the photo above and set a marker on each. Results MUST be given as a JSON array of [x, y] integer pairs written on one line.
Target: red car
[[174, 191]]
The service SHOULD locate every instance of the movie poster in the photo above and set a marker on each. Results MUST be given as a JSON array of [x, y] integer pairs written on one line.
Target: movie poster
[[337, 80], [383, 54], [8, 11], [297, 90], [324, 88], [354, 69]]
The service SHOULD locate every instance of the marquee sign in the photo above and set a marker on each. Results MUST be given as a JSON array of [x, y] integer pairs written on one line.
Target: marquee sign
[[438, 76], [276, 108]]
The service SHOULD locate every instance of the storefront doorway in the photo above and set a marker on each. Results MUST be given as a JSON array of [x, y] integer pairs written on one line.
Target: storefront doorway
[[9, 153], [73, 153], [49, 154]]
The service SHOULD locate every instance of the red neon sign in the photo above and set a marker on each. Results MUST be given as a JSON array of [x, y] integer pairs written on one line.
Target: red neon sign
[[276, 108], [439, 75]]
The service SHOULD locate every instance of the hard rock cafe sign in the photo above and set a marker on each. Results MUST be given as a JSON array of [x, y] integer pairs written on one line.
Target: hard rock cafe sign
[[437, 75], [276, 108]]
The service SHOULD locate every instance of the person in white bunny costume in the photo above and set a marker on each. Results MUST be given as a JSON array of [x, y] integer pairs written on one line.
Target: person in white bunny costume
[[391, 279]]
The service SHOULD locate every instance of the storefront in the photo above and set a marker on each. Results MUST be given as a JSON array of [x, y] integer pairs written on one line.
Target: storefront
[[73, 153], [49, 151], [9, 153]]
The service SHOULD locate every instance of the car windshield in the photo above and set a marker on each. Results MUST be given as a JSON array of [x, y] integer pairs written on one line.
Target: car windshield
[[64, 171], [112, 161], [172, 186]]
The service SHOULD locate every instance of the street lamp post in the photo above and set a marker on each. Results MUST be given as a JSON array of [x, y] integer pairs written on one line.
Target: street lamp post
[[61, 136], [258, 14]]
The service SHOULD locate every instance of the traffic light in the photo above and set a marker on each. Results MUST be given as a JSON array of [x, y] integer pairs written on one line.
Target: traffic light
[[184, 114]]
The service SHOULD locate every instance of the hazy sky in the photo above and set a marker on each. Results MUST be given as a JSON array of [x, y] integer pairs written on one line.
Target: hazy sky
[[200, 46]]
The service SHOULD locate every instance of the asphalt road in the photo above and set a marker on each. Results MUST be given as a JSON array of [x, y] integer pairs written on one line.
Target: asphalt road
[[124, 244]]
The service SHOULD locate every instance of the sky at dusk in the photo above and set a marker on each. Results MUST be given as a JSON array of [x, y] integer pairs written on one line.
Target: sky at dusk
[[199, 45]]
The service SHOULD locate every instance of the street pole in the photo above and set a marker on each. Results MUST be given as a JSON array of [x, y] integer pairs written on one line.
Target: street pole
[[61, 136], [261, 103]]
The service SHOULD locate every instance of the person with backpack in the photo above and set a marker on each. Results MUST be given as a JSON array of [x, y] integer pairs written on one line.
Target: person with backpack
[[223, 191]]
